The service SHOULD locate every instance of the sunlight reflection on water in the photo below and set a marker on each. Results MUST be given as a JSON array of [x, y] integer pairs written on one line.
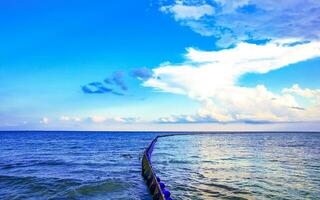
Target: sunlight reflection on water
[[241, 166]]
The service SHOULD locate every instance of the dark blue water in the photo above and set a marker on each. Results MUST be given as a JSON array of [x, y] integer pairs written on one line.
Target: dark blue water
[[104, 165], [72, 165]]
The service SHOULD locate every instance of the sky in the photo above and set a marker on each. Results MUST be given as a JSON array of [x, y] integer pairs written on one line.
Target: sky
[[184, 65]]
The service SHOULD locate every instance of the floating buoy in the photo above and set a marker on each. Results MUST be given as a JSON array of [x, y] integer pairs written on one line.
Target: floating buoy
[[166, 193], [156, 187], [162, 185]]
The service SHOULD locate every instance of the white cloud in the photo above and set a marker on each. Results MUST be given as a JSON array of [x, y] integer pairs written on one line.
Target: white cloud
[[188, 12], [179, 119], [308, 93], [64, 118], [68, 118], [211, 78], [97, 119], [44, 120], [313, 96], [231, 5], [103, 119], [232, 21]]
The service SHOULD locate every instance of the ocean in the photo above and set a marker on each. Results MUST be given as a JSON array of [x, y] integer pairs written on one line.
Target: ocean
[[107, 165]]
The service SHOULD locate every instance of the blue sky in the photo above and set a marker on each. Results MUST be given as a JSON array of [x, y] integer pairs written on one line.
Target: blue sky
[[159, 65]]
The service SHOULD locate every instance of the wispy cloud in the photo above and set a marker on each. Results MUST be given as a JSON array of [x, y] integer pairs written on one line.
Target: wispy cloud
[[95, 88], [142, 73], [211, 77], [117, 79], [103, 119], [108, 81], [298, 108]]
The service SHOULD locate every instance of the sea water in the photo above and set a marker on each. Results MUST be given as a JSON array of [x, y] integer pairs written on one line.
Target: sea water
[[107, 165], [72, 165]]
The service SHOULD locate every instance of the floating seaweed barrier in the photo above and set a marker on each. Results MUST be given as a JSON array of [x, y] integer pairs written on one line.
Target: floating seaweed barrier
[[156, 187]]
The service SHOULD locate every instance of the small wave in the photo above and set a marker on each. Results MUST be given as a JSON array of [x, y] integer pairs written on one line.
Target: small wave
[[14, 165], [126, 155], [29, 180], [34, 187], [7, 166], [52, 162], [35, 163], [179, 162], [235, 198], [211, 192], [160, 154], [105, 186], [225, 187], [55, 188], [292, 145], [75, 147]]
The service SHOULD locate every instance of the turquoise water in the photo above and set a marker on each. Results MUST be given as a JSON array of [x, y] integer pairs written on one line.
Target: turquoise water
[[106, 165], [240, 166]]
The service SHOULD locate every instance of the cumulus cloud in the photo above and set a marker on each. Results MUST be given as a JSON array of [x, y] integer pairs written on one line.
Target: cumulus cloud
[[240, 20], [211, 78], [308, 93]]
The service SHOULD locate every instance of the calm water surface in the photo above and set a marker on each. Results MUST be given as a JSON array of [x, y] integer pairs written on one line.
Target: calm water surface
[[105, 165], [240, 166]]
